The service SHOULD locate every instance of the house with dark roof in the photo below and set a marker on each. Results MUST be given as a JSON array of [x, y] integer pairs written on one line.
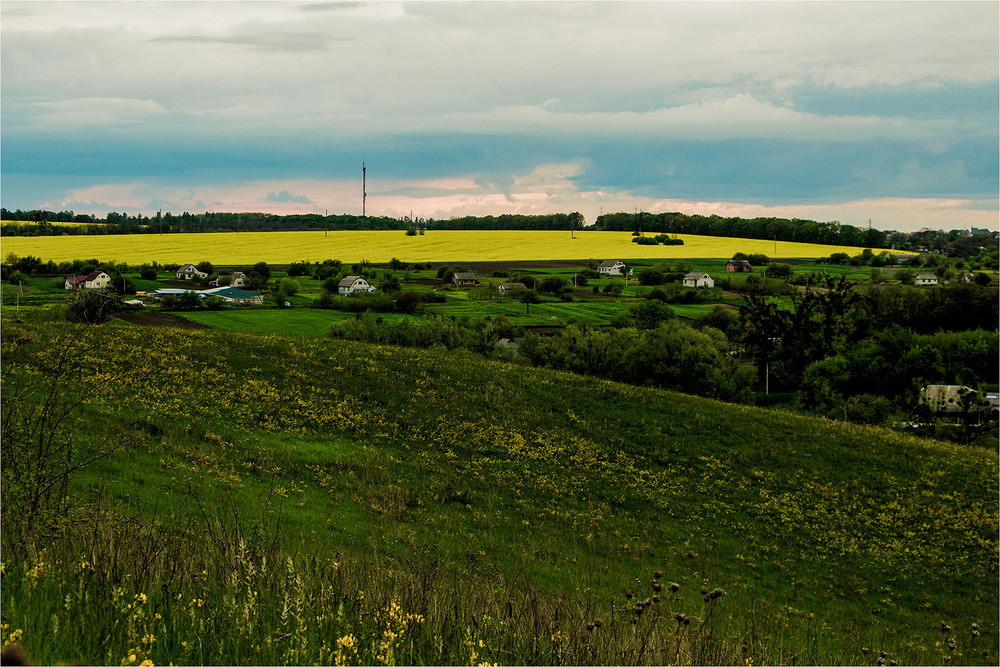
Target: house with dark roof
[[189, 272], [463, 278], [612, 267], [93, 280], [738, 266], [698, 280]]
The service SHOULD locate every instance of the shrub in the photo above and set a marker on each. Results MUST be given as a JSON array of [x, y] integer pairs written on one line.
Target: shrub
[[325, 300], [552, 285], [303, 268], [779, 271], [90, 306], [289, 286], [651, 277], [407, 301]]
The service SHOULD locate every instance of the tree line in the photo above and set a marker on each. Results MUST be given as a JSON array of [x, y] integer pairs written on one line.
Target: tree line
[[778, 229]]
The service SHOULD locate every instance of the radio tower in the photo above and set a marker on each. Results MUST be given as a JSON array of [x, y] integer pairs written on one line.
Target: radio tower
[[364, 192]]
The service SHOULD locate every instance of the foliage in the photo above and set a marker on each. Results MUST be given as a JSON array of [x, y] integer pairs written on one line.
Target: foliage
[[91, 306], [779, 229]]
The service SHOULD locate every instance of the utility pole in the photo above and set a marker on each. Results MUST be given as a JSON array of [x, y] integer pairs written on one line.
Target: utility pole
[[364, 191], [326, 221]]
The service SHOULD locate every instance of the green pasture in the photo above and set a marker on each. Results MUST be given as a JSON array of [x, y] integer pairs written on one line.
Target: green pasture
[[439, 467]]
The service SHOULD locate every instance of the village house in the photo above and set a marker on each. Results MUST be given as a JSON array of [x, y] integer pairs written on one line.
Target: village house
[[353, 285], [738, 266], [698, 280], [462, 278], [926, 279], [189, 272], [507, 288], [946, 397], [236, 279], [612, 267], [94, 280]]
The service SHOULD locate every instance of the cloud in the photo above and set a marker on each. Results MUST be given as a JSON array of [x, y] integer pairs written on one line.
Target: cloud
[[273, 40], [703, 101], [738, 116], [110, 111], [285, 197], [445, 198]]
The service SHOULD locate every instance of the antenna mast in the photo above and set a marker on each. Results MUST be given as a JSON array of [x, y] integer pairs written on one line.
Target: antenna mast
[[364, 192]]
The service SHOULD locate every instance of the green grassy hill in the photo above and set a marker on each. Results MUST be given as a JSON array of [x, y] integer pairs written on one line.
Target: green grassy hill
[[435, 482]]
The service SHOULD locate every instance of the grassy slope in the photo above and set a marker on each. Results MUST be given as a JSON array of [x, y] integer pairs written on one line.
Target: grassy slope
[[829, 531]]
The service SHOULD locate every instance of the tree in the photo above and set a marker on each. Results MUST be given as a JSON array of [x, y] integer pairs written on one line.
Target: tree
[[261, 269], [407, 301], [188, 300], [776, 270], [281, 297], [650, 313], [528, 297], [205, 267], [289, 286], [91, 306]]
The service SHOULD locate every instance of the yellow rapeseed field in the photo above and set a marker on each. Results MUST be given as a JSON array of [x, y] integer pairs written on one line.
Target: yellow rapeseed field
[[381, 246]]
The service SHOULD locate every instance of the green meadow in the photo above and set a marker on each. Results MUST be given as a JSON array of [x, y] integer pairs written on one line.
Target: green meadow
[[282, 499]]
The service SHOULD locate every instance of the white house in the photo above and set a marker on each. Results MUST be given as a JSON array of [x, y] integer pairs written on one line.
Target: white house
[[188, 271], [239, 279], [926, 279], [353, 285], [95, 280], [612, 267], [698, 280]]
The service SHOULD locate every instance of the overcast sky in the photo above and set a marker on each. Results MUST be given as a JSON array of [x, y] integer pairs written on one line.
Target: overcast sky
[[845, 111]]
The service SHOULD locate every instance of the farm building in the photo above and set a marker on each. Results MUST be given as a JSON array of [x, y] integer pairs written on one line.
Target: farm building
[[353, 285], [698, 280], [612, 267], [464, 278], [94, 280], [173, 291], [738, 266], [188, 271], [509, 288], [926, 279], [236, 296]]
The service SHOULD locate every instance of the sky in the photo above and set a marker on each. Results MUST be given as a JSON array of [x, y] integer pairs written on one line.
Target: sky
[[849, 111]]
